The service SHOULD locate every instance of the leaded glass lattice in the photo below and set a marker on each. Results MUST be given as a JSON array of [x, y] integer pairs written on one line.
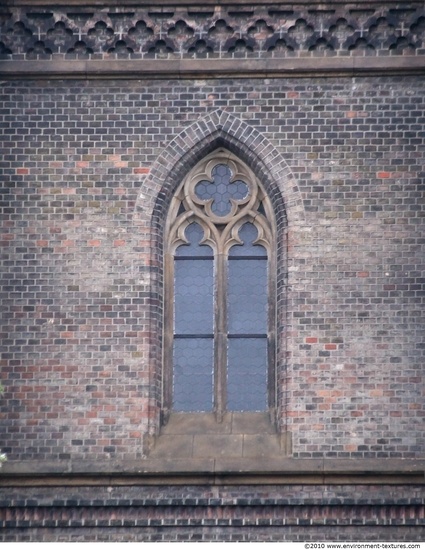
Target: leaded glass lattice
[[193, 323], [193, 374], [247, 374], [247, 295], [221, 190]]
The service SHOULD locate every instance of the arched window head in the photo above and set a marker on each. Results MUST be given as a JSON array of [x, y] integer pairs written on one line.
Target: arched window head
[[219, 337]]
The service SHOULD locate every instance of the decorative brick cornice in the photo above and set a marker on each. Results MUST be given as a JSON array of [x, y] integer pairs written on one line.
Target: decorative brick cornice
[[191, 516], [177, 505], [94, 41], [142, 499], [174, 512]]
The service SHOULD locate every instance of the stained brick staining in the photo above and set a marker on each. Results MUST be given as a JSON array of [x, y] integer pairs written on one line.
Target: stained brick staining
[[81, 325]]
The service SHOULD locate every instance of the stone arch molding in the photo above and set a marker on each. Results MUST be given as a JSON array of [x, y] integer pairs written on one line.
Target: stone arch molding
[[221, 129]]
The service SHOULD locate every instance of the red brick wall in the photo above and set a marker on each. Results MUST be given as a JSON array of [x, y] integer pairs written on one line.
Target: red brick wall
[[83, 209]]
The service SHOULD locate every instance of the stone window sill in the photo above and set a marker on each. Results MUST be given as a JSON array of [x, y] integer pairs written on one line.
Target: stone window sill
[[238, 436]]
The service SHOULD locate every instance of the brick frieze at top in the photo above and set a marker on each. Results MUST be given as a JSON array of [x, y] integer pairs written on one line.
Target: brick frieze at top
[[211, 30]]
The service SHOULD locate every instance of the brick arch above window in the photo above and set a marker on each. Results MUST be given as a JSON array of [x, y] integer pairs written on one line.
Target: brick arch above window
[[222, 129]]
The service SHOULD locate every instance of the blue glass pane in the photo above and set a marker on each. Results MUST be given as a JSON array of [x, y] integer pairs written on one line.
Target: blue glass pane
[[221, 190], [193, 374], [247, 374], [247, 296], [193, 296], [194, 233], [248, 233]]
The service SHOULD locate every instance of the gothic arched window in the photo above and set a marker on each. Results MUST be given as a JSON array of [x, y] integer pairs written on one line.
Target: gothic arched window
[[219, 337]]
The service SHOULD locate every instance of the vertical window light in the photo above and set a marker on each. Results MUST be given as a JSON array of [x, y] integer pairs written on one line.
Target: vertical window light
[[247, 324], [193, 324]]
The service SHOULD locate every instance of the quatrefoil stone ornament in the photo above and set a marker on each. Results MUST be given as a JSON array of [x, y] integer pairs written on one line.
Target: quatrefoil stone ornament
[[221, 190]]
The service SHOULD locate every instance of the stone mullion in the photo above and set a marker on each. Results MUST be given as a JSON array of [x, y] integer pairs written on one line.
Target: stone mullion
[[220, 336]]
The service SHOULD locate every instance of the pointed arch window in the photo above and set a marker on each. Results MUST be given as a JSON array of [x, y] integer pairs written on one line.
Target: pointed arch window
[[219, 337]]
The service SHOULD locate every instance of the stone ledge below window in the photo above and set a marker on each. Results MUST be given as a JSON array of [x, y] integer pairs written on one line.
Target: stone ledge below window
[[239, 435], [223, 471]]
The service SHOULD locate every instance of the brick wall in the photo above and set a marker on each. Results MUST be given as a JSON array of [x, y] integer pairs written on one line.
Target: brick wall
[[83, 208], [103, 111]]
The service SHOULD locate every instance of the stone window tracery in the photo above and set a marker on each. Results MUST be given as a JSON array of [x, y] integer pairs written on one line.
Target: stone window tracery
[[219, 335]]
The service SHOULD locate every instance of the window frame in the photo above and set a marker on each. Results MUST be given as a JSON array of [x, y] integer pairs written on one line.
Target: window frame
[[220, 233]]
